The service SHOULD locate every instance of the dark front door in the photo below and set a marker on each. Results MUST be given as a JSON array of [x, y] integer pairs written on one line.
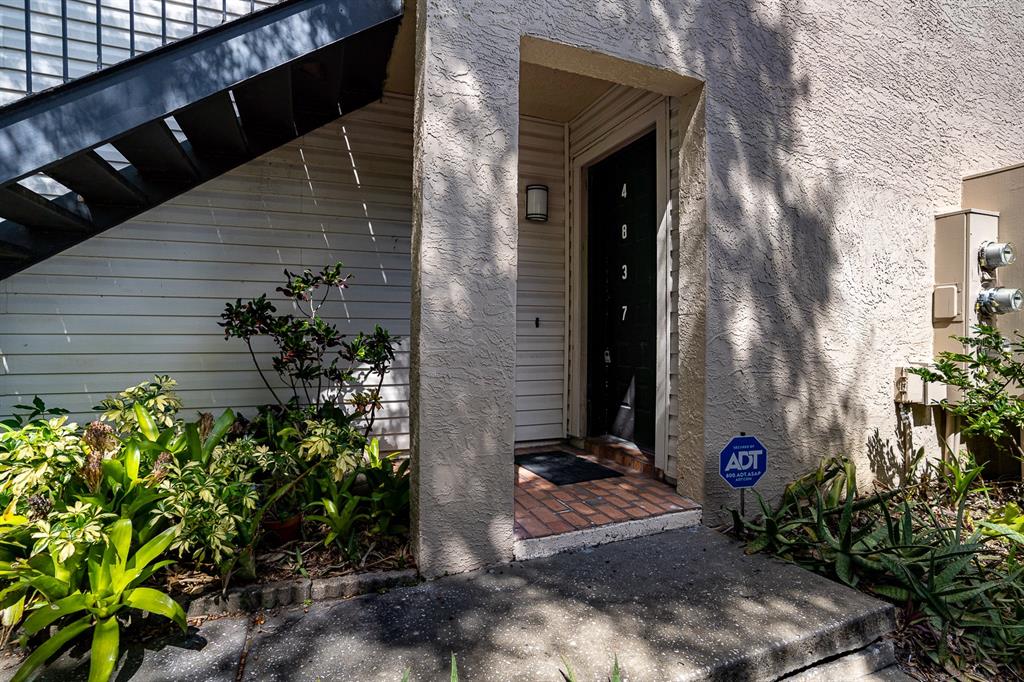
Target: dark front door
[[622, 293]]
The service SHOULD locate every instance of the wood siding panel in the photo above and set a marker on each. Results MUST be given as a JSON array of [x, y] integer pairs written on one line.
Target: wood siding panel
[[145, 297], [540, 307]]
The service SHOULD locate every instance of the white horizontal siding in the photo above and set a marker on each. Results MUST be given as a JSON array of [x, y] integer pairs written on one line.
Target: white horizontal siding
[[145, 297], [155, 23], [540, 350]]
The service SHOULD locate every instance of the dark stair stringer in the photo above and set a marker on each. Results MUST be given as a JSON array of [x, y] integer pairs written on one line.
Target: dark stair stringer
[[236, 91]]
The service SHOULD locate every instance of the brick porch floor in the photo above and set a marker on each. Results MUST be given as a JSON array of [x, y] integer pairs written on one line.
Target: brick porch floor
[[543, 508]]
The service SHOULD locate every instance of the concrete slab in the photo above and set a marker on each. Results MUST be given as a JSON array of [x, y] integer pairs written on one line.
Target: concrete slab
[[856, 665], [210, 654], [682, 605]]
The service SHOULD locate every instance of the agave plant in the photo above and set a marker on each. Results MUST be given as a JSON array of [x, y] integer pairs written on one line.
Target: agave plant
[[926, 556]]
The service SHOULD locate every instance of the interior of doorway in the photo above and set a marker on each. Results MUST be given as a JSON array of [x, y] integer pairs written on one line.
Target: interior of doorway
[[621, 298], [607, 433]]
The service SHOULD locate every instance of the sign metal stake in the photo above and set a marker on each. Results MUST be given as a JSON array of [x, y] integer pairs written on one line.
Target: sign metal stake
[[743, 495]]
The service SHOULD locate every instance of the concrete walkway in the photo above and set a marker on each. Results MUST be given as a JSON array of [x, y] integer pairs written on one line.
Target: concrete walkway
[[682, 605]]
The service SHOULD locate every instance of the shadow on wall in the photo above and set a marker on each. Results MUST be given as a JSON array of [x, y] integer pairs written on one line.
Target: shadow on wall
[[464, 325], [142, 299], [804, 249], [790, 328]]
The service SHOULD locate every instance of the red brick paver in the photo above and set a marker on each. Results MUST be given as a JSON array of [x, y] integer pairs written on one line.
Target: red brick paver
[[543, 508]]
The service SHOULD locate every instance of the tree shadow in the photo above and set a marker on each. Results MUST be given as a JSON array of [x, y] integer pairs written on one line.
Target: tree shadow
[[794, 332], [683, 605]]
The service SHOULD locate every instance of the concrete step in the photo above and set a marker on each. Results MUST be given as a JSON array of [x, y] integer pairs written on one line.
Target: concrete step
[[874, 662], [536, 548], [682, 605]]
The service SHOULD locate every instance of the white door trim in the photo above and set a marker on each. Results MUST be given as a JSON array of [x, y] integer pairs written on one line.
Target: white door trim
[[655, 117]]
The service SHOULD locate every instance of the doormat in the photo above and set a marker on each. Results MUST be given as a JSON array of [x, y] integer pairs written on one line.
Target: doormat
[[562, 468]]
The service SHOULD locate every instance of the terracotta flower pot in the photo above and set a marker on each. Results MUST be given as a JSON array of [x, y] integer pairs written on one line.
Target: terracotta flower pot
[[284, 530]]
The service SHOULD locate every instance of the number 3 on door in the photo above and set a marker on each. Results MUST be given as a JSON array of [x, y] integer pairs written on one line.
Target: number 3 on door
[[625, 272]]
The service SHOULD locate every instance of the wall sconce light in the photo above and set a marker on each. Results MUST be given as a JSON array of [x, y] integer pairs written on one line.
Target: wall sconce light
[[537, 203]]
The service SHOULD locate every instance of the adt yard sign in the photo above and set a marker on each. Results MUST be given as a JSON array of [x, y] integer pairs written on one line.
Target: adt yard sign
[[743, 462]]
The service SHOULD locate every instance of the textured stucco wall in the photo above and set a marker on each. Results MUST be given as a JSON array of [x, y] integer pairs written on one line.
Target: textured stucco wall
[[465, 241], [835, 130]]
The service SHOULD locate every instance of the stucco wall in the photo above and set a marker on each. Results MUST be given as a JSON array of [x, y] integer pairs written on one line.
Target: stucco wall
[[834, 132]]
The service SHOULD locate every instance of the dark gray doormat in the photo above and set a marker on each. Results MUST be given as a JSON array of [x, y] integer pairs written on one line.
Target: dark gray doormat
[[562, 468]]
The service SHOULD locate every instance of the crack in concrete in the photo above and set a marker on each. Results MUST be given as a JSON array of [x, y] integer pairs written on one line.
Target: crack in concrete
[[247, 644]]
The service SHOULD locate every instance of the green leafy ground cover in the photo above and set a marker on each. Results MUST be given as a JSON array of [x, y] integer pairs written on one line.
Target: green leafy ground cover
[[127, 514]]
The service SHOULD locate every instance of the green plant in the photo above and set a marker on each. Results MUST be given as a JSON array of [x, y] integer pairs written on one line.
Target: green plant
[[210, 504], [75, 502], [210, 489], [569, 675], [157, 396], [313, 359], [989, 376], [113, 576], [31, 413], [64, 532], [1006, 521], [324, 439], [388, 491], [960, 594], [39, 457], [341, 515]]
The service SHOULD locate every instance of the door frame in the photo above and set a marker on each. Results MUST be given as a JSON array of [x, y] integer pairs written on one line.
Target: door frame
[[656, 118]]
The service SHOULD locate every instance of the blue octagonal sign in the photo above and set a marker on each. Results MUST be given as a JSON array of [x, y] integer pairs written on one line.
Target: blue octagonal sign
[[743, 462]]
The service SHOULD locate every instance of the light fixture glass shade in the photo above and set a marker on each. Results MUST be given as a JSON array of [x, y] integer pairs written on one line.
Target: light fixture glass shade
[[537, 202]]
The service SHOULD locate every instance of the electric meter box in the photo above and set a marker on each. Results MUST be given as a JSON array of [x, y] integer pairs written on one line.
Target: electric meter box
[[959, 278]]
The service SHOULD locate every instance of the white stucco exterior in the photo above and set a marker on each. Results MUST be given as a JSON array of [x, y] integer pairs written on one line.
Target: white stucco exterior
[[809, 147], [834, 132]]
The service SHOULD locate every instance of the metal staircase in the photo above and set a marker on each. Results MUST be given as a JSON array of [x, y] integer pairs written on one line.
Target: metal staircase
[[235, 91]]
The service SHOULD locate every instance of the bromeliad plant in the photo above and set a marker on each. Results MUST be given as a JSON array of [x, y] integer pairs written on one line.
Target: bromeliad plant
[[371, 499], [90, 592], [76, 502]]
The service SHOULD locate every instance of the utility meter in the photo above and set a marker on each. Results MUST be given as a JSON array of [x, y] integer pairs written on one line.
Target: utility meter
[[1000, 300], [994, 255], [967, 248]]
